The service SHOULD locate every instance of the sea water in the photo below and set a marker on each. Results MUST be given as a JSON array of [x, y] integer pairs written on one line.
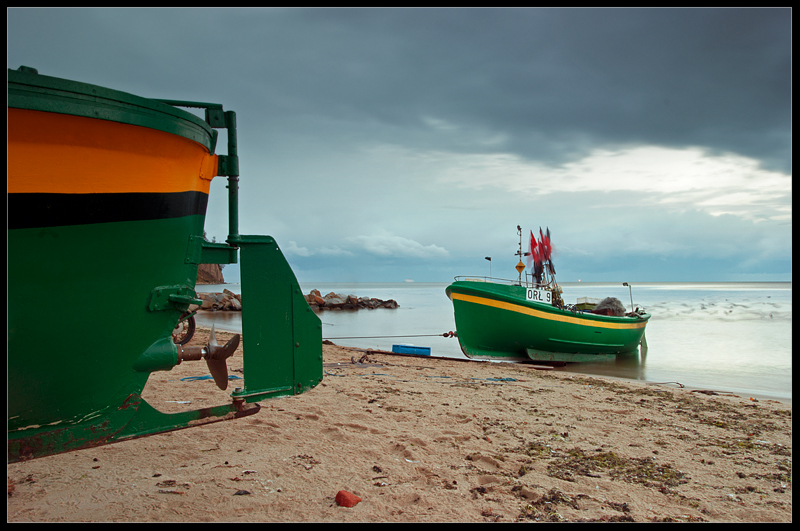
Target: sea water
[[720, 336]]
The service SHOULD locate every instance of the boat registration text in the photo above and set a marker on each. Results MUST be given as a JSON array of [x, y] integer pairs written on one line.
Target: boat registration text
[[539, 295]]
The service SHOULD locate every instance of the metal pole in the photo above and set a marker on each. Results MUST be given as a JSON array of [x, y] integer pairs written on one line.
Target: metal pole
[[490, 265], [233, 178], [630, 292], [519, 253]]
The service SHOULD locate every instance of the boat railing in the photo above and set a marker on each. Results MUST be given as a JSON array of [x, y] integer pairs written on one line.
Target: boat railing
[[528, 282], [515, 282]]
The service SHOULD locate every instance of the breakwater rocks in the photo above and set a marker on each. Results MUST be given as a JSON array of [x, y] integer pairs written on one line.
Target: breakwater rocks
[[335, 301], [229, 301]]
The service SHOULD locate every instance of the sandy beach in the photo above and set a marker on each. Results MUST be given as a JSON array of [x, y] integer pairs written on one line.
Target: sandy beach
[[430, 440]]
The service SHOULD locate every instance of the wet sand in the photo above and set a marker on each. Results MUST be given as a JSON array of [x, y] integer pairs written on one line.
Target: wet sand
[[431, 440]]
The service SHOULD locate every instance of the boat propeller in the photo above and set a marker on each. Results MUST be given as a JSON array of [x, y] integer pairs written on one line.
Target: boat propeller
[[215, 356]]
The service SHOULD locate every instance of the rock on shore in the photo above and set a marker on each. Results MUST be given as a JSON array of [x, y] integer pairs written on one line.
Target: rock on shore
[[229, 301], [335, 301], [210, 274]]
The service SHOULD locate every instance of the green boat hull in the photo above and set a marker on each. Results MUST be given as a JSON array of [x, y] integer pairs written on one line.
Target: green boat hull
[[93, 313], [495, 321], [107, 197]]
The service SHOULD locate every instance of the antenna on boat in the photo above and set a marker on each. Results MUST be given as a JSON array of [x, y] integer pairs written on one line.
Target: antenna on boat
[[520, 266], [630, 292]]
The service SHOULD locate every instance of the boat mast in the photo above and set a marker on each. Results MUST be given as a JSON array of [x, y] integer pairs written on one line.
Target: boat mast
[[520, 265]]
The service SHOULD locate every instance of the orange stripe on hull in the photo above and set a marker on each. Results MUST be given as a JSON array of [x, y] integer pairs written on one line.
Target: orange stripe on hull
[[58, 153]]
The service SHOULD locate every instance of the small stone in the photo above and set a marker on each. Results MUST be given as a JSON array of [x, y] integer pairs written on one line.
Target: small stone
[[346, 499], [241, 492]]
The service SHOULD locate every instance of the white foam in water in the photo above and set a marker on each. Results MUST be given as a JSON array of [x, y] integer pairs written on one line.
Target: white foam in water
[[732, 337]]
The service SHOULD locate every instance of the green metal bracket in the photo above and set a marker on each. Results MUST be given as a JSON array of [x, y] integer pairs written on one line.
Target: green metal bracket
[[201, 251], [227, 166], [194, 252], [219, 253], [215, 117], [170, 297]]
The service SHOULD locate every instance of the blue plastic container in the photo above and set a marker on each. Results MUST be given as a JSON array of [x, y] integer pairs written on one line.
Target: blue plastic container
[[411, 349]]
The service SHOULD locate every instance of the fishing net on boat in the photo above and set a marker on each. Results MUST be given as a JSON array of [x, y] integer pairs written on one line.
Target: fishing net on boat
[[610, 306]]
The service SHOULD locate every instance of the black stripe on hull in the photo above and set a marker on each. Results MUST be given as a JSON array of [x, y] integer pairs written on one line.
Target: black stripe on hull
[[30, 211]]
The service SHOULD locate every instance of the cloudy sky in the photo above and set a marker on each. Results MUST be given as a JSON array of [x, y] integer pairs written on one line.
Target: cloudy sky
[[392, 144]]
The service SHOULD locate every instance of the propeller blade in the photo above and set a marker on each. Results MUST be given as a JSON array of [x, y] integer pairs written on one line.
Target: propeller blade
[[217, 356], [219, 371]]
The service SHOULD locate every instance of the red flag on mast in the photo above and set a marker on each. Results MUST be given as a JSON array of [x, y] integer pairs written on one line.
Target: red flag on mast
[[533, 255], [544, 243], [547, 247]]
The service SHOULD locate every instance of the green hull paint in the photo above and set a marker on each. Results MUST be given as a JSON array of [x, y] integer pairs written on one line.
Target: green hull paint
[[80, 386], [494, 321], [34, 91], [93, 296], [78, 308]]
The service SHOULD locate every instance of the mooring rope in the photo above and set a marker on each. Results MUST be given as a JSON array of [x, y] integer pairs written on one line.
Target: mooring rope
[[446, 334]]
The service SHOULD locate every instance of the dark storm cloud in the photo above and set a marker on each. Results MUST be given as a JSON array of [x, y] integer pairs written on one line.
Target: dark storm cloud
[[552, 83], [438, 131], [547, 84]]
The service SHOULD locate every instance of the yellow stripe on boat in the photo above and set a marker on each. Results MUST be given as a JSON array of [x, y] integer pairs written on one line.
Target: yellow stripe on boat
[[64, 154], [544, 315]]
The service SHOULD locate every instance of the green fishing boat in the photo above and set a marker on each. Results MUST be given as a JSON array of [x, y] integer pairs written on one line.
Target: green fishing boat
[[526, 319], [107, 196]]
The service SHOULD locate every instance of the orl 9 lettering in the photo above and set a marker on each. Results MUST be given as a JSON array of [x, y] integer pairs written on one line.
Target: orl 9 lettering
[[539, 295]]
